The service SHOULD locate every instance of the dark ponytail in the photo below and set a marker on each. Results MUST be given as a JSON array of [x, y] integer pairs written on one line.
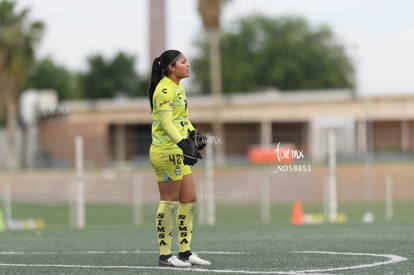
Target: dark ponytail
[[160, 69]]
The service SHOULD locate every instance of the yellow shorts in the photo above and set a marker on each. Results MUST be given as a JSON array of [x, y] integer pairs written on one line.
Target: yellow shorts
[[169, 164]]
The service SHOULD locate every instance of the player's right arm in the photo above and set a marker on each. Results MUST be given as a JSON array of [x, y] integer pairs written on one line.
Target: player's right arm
[[164, 104]]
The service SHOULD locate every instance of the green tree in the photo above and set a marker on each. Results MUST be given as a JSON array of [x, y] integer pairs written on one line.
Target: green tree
[[18, 38], [46, 74], [107, 78], [287, 53]]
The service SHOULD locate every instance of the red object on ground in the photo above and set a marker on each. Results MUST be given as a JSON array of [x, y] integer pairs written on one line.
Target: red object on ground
[[297, 213], [282, 153]]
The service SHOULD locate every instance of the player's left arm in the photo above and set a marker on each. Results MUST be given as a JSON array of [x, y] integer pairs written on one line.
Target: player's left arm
[[190, 126]]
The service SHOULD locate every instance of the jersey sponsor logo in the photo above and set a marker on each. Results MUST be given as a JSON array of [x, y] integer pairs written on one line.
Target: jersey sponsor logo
[[164, 102], [164, 91]]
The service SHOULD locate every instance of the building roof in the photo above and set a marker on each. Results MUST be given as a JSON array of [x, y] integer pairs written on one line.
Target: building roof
[[268, 105]]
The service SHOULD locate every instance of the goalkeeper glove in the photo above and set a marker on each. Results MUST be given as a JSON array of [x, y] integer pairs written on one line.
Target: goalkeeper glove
[[199, 138], [191, 155]]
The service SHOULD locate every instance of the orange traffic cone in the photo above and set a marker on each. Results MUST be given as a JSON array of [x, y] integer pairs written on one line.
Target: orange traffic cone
[[297, 213]]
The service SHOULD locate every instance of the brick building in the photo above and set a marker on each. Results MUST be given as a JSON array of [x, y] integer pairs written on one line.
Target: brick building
[[120, 129]]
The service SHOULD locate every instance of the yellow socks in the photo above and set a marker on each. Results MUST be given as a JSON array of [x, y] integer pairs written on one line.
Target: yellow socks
[[185, 225], [164, 226]]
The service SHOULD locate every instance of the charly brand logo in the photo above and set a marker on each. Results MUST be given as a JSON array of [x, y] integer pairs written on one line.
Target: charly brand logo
[[286, 155]]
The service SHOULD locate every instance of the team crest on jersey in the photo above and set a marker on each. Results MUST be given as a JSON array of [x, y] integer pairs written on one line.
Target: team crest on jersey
[[177, 170]]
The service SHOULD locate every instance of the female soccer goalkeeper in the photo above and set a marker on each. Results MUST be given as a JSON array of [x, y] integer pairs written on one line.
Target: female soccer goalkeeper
[[171, 156]]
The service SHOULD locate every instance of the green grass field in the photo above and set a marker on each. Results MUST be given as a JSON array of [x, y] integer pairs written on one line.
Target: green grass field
[[238, 244]]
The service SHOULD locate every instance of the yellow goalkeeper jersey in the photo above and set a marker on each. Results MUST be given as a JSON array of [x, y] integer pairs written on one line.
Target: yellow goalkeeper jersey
[[170, 122]]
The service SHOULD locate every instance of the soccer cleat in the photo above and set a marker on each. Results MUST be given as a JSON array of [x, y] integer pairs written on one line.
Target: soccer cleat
[[192, 258], [173, 261]]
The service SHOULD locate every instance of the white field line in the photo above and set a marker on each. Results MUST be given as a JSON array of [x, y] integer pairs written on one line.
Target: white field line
[[189, 269], [93, 252], [392, 259]]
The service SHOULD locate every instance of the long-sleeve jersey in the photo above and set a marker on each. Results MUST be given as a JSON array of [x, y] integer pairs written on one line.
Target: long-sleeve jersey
[[170, 122]]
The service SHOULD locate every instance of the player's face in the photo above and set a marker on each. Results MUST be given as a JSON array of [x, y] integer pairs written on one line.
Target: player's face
[[182, 67]]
